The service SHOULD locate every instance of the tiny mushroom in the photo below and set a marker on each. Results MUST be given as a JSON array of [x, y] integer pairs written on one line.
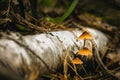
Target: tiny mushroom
[[85, 52], [77, 61], [85, 35]]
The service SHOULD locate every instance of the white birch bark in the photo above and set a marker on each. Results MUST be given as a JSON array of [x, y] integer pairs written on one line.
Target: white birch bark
[[49, 49]]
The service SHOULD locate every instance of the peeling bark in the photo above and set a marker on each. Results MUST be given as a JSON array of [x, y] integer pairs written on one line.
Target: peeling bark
[[46, 51]]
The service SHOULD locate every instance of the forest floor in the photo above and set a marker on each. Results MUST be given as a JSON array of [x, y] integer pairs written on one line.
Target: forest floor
[[103, 16]]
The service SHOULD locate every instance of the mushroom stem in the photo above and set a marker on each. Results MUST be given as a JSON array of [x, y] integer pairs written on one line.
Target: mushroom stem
[[84, 43]]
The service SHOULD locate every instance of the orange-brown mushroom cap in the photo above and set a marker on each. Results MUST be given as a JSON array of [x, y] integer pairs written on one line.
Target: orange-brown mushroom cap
[[85, 35], [85, 52], [77, 61]]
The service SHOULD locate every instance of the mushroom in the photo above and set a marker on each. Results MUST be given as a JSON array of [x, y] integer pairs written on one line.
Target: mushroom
[[85, 52], [85, 35], [77, 61]]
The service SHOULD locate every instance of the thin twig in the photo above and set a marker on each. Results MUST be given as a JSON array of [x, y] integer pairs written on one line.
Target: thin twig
[[27, 24], [104, 69], [8, 10], [65, 63]]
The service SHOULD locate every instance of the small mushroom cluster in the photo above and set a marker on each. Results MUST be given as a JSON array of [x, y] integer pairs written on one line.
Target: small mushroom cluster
[[85, 51]]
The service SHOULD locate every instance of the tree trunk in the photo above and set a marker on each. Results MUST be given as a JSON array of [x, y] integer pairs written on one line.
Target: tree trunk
[[21, 55]]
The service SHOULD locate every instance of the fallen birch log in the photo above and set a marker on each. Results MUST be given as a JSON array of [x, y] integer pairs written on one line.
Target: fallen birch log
[[20, 55]]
